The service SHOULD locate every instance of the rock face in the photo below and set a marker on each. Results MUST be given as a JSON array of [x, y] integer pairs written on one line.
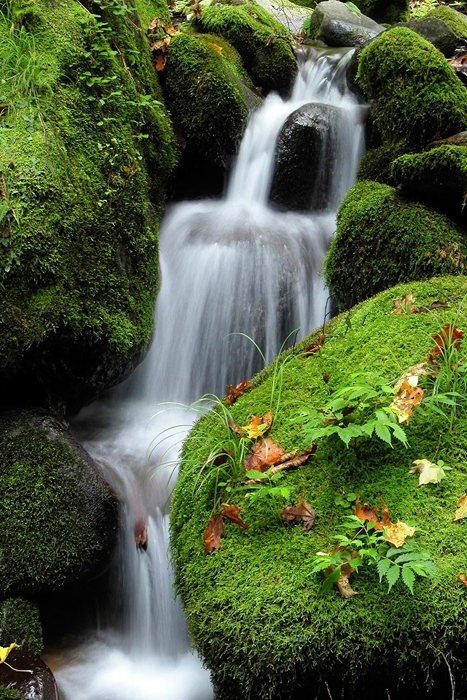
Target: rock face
[[301, 175], [59, 519], [436, 32], [336, 25]]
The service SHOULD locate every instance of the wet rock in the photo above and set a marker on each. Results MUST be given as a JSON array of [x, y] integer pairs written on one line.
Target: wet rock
[[459, 139], [38, 685], [59, 518], [301, 179], [336, 25], [436, 32]]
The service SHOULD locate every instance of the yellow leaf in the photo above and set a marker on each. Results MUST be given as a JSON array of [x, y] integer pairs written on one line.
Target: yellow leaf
[[429, 473], [4, 651], [406, 399], [397, 533], [258, 426], [461, 511], [411, 376]]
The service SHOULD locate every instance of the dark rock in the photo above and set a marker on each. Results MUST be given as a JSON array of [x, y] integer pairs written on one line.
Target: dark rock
[[59, 518], [336, 25], [455, 140], [436, 32], [38, 685], [302, 175]]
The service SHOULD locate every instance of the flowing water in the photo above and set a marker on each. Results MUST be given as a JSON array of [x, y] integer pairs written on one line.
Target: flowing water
[[229, 267]]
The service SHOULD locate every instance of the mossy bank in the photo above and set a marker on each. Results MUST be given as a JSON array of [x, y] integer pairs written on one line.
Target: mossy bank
[[256, 612]]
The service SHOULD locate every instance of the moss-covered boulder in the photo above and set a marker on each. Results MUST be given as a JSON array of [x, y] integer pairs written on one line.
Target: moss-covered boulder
[[263, 43], [383, 239], [20, 623], [59, 518], [376, 163], [436, 32], [86, 149], [209, 95], [257, 612], [437, 174], [416, 95], [454, 19]]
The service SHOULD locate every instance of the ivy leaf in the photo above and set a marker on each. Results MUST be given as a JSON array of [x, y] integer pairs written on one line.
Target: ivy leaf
[[429, 473]]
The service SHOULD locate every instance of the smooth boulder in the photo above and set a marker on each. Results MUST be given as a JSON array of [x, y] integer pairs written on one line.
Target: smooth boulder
[[436, 32], [335, 24]]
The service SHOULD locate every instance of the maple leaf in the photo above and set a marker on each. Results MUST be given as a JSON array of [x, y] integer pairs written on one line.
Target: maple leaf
[[450, 335], [232, 513], [265, 454], [161, 60], [303, 513], [406, 305], [463, 578], [234, 394], [370, 515], [212, 534], [461, 511], [429, 473], [405, 400], [258, 426], [397, 533]]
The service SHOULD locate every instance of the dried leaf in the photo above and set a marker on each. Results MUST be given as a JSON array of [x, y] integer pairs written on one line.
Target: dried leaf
[[161, 45], [235, 429], [197, 11], [212, 534], [288, 461], [459, 63], [411, 375], [303, 513], [258, 426], [450, 335], [154, 26], [223, 458], [406, 305], [343, 584], [462, 577], [216, 47], [313, 349], [367, 514], [406, 399], [429, 473], [170, 29], [232, 513], [161, 60], [397, 533], [265, 454], [234, 394], [461, 511], [435, 305]]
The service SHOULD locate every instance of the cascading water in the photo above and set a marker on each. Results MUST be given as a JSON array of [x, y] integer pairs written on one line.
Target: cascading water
[[234, 266]]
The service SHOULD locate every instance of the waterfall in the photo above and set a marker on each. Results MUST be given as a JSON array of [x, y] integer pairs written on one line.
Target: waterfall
[[229, 267]]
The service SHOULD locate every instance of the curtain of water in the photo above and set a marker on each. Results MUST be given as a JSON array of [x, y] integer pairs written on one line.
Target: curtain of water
[[228, 267]]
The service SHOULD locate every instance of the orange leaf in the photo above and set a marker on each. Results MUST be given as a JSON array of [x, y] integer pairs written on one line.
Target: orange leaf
[[232, 513], [212, 534], [258, 426], [265, 454], [234, 394], [170, 30], [216, 47], [161, 60], [313, 349], [369, 515], [406, 399], [303, 513], [448, 336]]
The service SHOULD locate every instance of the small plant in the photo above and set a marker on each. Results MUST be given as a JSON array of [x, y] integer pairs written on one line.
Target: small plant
[[23, 69]]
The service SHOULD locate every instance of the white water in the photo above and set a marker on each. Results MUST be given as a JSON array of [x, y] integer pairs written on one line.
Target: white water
[[230, 266]]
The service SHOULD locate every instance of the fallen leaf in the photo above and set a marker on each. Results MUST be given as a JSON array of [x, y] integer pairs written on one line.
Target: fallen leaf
[[288, 461], [212, 534], [170, 29], [313, 349], [429, 473], [367, 514], [4, 651], [232, 513], [265, 454], [154, 26], [160, 45], [450, 335], [397, 533], [234, 394], [258, 426], [197, 11], [235, 429], [463, 578], [435, 305], [161, 60], [412, 375], [223, 458], [459, 63], [343, 584], [216, 47], [406, 305], [461, 511], [405, 400], [303, 513]]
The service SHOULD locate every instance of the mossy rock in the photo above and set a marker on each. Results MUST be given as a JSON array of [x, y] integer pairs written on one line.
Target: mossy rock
[[209, 94], [87, 148], [383, 239], [263, 43], [257, 613], [454, 19], [416, 95], [376, 163], [440, 173], [20, 623], [59, 518]]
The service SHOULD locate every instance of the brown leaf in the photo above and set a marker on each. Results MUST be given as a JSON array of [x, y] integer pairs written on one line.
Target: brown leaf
[[197, 11], [462, 577], [406, 399], [234, 394], [435, 305], [222, 458], [170, 29], [343, 583], [313, 349], [258, 426], [405, 305], [303, 513], [235, 429], [369, 515], [161, 60], [449, 336], [232, 513], [265, 454], [161, 45], [288, 461], [154, 26], [461, 511], [412, 375], [212, 534], [397, 533], [459, 63]]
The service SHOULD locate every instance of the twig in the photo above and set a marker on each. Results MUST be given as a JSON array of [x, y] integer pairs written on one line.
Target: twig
[[18, 670], [451, 677], [327, 688]]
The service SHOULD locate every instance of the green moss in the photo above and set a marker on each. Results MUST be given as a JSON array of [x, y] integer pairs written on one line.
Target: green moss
[[456, 20], [84, 175], [207, 92], [254, 608], [58, 517], [377, 162], [417, 96], [263, 43], [6, 694], [384, 239], [19, 622], [385, 11]]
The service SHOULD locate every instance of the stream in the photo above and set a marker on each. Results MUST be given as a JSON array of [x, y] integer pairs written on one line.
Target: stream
[[229, 268]]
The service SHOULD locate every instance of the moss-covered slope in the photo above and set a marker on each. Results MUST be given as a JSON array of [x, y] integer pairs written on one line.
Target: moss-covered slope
[[255, 610], [86, 149]]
